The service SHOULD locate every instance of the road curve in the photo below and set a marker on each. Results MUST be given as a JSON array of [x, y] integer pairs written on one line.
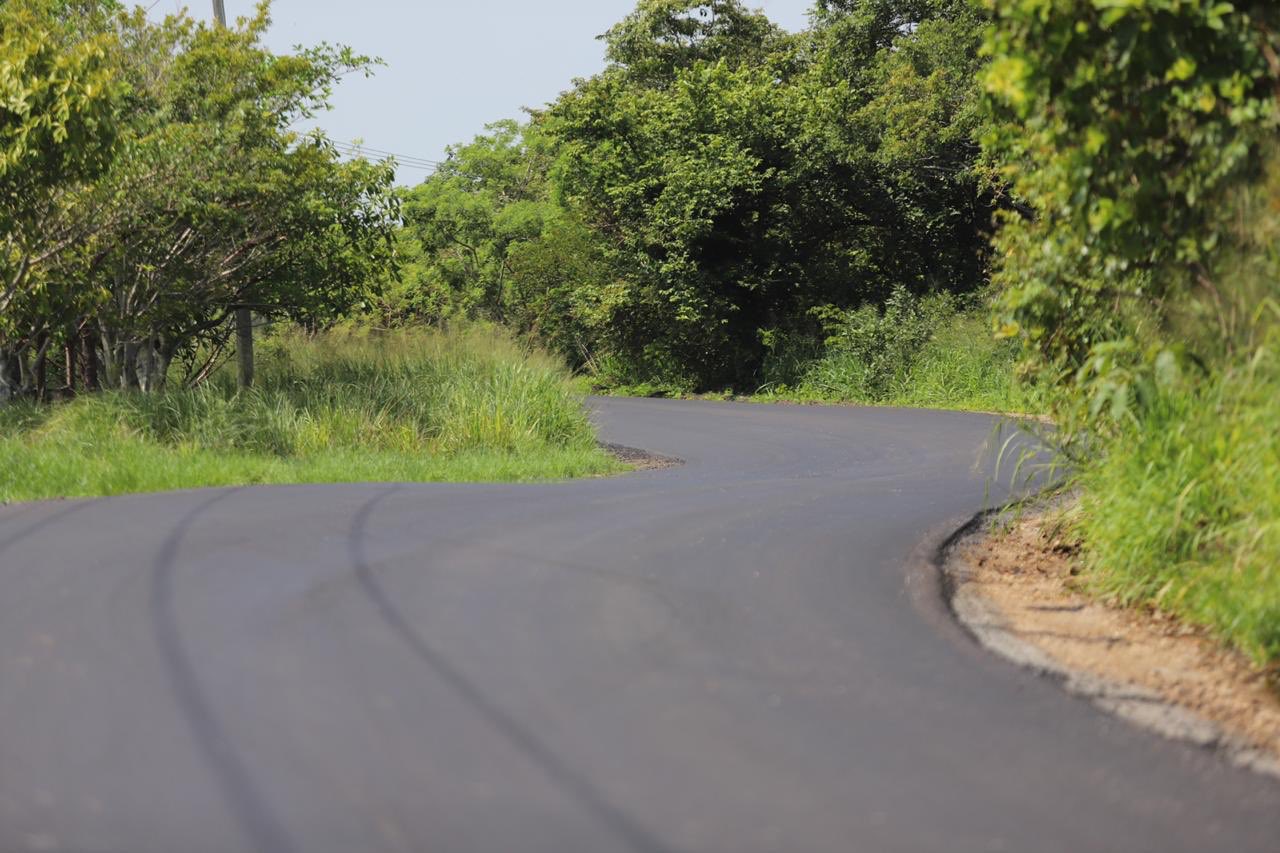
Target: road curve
[[732, 655]]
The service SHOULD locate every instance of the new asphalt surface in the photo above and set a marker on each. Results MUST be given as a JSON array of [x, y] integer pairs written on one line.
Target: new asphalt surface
[[748, 652]]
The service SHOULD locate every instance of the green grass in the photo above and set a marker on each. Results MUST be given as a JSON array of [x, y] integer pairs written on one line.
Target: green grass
[[346, 406], [954, 364], [1182, 510], [960, 366]]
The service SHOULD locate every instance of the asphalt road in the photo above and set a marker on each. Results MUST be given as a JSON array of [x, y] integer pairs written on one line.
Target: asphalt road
[[738, 654]]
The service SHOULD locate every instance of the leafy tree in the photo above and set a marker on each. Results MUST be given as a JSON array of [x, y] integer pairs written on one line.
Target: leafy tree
[[662, 37], [740, 177], [488, 196], [152, 181], [57, 132], [217, 202], [1120, 126], [689, 190], [486, 238], [719, 180]]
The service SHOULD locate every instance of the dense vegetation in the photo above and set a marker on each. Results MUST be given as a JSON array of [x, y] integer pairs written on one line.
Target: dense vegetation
[[151, 182], [341, 406], [838, 213], [1143, 277], [722, 188]]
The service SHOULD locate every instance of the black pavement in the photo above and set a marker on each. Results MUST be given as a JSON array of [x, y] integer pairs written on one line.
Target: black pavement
[[738, 654]]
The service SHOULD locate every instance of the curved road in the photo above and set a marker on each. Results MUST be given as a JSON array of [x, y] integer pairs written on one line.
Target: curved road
[[735, 655]]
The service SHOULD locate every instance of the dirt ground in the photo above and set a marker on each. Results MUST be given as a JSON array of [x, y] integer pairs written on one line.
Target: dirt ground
[[1025, 577]]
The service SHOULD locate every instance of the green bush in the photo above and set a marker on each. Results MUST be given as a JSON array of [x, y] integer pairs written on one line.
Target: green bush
[[915, 351], [870, 351]]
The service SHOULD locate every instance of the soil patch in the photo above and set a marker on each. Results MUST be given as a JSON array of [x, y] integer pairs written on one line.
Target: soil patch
[[1015, 584]]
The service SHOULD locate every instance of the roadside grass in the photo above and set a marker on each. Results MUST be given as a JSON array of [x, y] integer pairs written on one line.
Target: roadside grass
[[1182, 511], [946, 362], [960, 366], [411, 405]]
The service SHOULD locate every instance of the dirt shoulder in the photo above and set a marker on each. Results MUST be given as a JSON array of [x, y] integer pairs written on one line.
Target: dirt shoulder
[[1014, 584]]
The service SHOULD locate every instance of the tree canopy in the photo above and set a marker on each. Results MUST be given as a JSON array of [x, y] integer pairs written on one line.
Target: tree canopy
[[729, 178], [156, 182]]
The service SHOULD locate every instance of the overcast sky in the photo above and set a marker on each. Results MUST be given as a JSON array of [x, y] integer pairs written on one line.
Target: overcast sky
[[451, 66]]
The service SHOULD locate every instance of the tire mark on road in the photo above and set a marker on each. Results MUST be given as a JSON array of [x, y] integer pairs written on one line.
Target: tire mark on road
[[569, 781], [236, 784]]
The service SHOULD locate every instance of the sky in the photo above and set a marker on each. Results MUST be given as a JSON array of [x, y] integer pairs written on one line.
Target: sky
[[451, 65]]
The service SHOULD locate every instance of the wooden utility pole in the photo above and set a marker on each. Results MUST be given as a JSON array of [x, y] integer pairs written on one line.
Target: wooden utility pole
[[244, 316], [244, 345]]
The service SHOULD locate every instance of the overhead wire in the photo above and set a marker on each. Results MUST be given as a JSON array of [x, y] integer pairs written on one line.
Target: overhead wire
[[353, 146], [407, 160]]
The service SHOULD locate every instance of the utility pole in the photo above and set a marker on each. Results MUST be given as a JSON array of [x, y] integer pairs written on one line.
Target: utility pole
[[244, 316]]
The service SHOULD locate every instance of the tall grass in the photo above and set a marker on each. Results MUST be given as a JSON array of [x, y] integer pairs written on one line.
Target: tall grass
[[1182, 511], [346, 405]]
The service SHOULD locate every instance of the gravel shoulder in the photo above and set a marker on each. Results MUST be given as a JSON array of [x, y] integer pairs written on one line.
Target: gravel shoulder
[[1014, 583], [640, 460]]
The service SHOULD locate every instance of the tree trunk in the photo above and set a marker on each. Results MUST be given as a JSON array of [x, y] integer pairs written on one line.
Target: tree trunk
[[8, 376], [40, 369], [129, 367], [109, 370], [23, 371], [164, 358], [69, 365], [88, 359], [147, 365]]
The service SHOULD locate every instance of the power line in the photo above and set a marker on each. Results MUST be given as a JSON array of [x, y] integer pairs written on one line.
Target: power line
[[403, 158], [406, 160], [379, 151], [350, 149]]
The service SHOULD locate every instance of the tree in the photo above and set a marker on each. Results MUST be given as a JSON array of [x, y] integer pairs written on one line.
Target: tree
[[217, 202], [1120, 126], [662, 37], [488, 196], [152, 181], [741, 177], [718, 181], [57, 132]]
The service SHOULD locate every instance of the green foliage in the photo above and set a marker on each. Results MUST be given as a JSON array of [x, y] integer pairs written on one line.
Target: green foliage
[[58, 100], [719, 178], [699, 215], [1184, 514], [166, 186], [218, 201], [930, 351], [343, 406], [1119, 126], [883, 343], [663, 37], [463, 223], [1181, 509], [1139, 265]]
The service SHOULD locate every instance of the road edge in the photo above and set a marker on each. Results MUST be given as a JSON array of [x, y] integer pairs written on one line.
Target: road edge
[[981, 622]]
